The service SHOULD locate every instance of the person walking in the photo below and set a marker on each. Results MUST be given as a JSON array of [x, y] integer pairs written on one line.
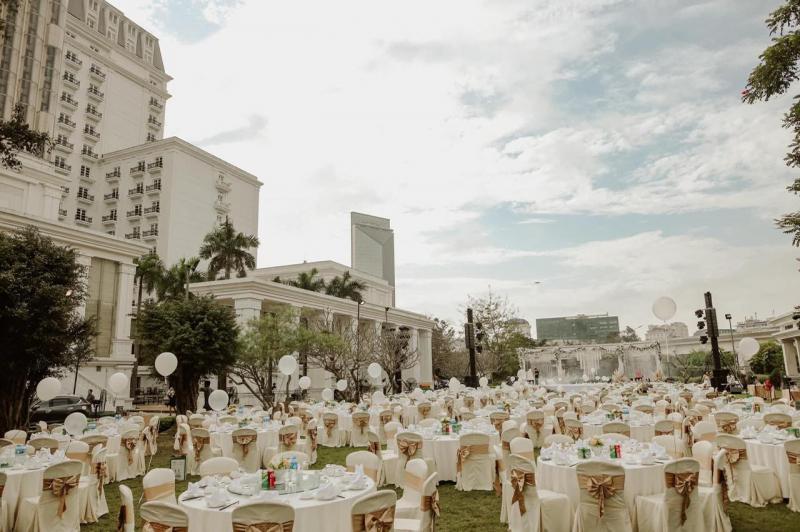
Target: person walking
[[92, 400], [206, 392]]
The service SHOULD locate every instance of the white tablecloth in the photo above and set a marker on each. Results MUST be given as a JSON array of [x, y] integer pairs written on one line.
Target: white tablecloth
[[330, 516], [642, 433], [443, 451], [20, 483], [639, 480], [772, 456]]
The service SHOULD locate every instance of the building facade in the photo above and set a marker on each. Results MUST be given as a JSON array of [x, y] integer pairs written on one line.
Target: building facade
[[372, 246], [521, 326], [660, 333], [581, 328]]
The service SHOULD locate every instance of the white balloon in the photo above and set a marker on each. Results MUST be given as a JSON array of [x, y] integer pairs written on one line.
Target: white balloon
[[374, 370], [287, 364], [166, 364], [341, 385], [513, 379], [454, 385], [327, 394], [118, 382], [378, 397], [305, 382], [48, 388], [75, 423], [483, 382], [748, 347], [218, 400], [664, 308]]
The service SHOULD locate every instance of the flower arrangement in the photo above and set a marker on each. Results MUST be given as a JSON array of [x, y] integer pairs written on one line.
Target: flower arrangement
[[507, 406], [594, 441], [619, 376], [280, 465]]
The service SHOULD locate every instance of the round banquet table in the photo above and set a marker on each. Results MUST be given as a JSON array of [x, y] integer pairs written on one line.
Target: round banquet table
[[265, 438], [639, 480], [330, 516], [443, 449], [20, 483], [643, 433], [772, 455]]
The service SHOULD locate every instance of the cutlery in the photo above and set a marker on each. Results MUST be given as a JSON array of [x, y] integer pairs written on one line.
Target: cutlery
[[228, 505], [192, 498]]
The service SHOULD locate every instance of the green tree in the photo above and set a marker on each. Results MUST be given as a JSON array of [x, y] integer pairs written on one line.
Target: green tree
[[228, 251], [346, 287], [768, 358], [306, 280], [629, 335], [175, 280], [447, 360], [499, 345], [41, 289], [149, 273], [17, 136], [201, 333], [395, 353], [773, 76]]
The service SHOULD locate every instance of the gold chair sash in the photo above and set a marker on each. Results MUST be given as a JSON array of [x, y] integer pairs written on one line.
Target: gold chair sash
[[575, 433], [361, 423], [469, 402], [160, 527], [180, 441], [484, 401], [312, 435], [289, 440], [734, 455], [375, 448], [430, 503], [728, 427], [198, 442], [519, 479], [723, 485], [408, 447], [101, 472], [411, 480], [61, 487], [264, 527], [379, 521], [385, 418], [121, 519], [602, 487], [664, 432], [506, 445], [794, 458], [79, 456], [465, 451], [537, 424], [424, 410], [329, 423], [154, 493], [244, 442], [781, 424], [684, 484], [130, 448], [370, 472]]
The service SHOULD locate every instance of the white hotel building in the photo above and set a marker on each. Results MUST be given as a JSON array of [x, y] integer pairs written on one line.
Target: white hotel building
[[113, 187]]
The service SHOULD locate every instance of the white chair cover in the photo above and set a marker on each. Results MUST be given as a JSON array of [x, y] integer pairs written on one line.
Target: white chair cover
[[245, 449], [475, 461], [532, 509], [602, 498], [752, 484], [679, 508], [58, 508], [127, 516], [159, 485]]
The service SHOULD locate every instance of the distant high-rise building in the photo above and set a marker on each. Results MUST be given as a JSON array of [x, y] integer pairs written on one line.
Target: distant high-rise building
[[521, 326], [372, 246], [595, 328], [659, 333]]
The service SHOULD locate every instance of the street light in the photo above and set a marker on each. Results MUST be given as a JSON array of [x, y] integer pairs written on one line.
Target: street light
[[358, 341], [733, 345]]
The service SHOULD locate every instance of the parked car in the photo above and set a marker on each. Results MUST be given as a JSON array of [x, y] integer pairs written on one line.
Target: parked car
[[58, 408]]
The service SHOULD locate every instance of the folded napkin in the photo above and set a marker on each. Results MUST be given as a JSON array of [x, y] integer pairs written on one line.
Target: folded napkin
[[327, 491], [217, 497]]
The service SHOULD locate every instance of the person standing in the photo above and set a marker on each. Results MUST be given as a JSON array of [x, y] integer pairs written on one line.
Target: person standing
[[92, 400], [536, 375], [206, 392], [171, 401]]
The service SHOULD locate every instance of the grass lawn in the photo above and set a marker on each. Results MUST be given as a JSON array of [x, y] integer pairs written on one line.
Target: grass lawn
[[461, 512]]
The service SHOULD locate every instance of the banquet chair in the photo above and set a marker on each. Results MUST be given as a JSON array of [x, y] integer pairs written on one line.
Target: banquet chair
[[713, 501], [17, 436], [778, 420], [535, 428], [384, 418], [475, 463], [390, 430], [379, 506], [245, 449], [44, 443], [150, 437], [504, 449], [179, 420], [423, 411], [78, 450], [288, 436], [312, 436], [521, 447], [727, 422], [409, 447], [4, 515], [704, 431], [664, 427], [573, 428], [703, 452], [670, 444], [57, 507], [469, 403], [646, 409], [617, 427], [4, 442], [227, 420], [331, 435], [429, 504], [508, 424], [602, 498], [497, 419], [752, 484], [217, 465], [531, 509], [196, 420], [370, 461], [388, 460], [413, 483], [184, 446], [792, 448], [96, 505], [678, 508], [95, 440], [159, 485], [127, 516], [557, 439], [257, 516], [163, 516], [130, 459], [202, 449]]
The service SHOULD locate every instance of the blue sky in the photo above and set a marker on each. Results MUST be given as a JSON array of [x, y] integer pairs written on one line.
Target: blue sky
[[596, 146]]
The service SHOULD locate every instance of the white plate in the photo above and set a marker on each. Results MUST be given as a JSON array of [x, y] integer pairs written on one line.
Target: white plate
[[220, 505]]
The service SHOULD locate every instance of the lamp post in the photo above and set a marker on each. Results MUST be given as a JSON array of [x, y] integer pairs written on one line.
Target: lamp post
[[358, 342], [733, 345]]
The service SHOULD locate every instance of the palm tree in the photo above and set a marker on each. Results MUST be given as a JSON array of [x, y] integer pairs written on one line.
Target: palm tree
[[175, 281], [149, 274], [228, 251], [308, 281], [345, 287]]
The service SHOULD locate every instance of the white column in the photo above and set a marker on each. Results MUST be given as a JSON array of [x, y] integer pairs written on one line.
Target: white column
[[413, 344], [247, 308], [122, 312], [425, 357], [86, 262]]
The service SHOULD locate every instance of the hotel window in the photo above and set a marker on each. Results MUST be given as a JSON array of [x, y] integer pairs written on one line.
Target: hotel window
[[55, 12], [90, 22], [80, 214], [47, 85], [85, 170], [93, 5]]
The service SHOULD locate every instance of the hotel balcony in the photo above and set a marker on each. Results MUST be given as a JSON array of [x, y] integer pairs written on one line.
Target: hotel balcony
[[64, 190], [72, 60], [155, 188], [63, 145], [155, 104], [222, 206], [113, 176], [133, 236], [89, 155], [152, 211], [96, 94], [150, 235], [91, 134], [62, 168], [109, 218], [93, 114], [155, 166], [111, 197], [96, 73], [134, 214], [66, 123], [87, 178], [223, 186], [153, 123], [83, 220], [68, 101], [135, 192], [62, 213], [70, 81], [138, 170], [86, 198]]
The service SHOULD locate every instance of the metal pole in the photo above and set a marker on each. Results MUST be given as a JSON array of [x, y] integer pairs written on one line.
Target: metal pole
[[472, 379], [713, 332]]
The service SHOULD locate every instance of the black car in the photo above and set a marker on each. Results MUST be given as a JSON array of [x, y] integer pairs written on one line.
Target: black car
[[58, 408]]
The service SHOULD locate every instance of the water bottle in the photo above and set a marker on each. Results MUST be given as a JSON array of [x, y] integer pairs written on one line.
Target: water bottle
[[19, 455]]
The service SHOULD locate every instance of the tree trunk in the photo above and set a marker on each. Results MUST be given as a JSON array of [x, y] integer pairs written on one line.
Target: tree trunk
[[136, 346], [186, 394], [270, 395]]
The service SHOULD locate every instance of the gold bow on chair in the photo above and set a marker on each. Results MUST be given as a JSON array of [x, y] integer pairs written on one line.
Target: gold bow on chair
[[519, 479], [385, 418], [664, 432], [469, 402], [160, 527], [361, 423], [464, 452], [289, 439], [684, 484], [130, 447], [379, 521], [244, 442], [424, 410], [264, 527], [61, 487], [430, 503], [101, 472], [375, 448], [408, 447], [537, 424], [794, 458], [312, 436], [180, 441], [728, 427], [484, 401], [781, 424], [576, 433], [198, 442], [329, 423], [602, 487]]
